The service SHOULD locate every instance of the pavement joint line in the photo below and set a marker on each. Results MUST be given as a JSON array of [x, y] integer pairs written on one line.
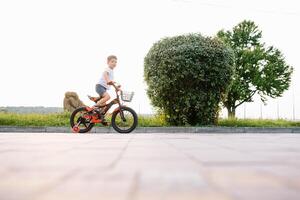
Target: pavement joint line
[[134, 187], [47, 188], [120, 155], [205, 171], [283, 179]]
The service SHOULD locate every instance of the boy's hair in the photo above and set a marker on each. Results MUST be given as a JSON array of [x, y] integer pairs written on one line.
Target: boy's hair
[[111, 57]]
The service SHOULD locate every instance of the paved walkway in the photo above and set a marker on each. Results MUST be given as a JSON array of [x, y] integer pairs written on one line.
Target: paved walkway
[[149, 166]]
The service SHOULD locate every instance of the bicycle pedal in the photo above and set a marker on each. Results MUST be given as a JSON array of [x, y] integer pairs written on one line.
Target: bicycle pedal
[[105, 123]]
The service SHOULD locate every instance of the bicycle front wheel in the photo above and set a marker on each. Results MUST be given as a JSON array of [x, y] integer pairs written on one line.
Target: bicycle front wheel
[[124, 120]]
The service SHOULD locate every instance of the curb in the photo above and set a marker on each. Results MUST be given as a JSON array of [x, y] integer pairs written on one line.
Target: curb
[[16, 129]]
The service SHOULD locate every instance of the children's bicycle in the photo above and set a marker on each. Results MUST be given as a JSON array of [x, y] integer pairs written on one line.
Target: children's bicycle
[[123, 118]]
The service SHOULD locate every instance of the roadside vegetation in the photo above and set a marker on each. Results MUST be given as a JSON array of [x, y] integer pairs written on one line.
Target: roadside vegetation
[[62, 119]]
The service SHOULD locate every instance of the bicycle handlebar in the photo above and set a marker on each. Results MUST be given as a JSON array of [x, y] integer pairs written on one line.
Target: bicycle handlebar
[[114, 85]]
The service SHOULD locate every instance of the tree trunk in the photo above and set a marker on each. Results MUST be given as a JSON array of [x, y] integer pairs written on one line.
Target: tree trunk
[[231, 112]]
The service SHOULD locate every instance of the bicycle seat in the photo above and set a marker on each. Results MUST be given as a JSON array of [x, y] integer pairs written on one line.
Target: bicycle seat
[[94, 99]]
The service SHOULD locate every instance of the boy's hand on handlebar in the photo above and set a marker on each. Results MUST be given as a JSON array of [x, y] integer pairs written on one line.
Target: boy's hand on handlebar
[[118, 87], [110, 83]]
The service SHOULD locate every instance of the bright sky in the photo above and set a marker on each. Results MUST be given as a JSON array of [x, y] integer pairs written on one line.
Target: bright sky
[[50, 47]]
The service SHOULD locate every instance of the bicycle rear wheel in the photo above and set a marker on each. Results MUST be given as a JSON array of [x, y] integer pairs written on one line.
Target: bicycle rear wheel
[[80, 120]]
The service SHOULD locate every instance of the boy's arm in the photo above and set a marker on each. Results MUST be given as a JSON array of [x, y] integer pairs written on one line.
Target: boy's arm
[[106, 78], [108, 81]]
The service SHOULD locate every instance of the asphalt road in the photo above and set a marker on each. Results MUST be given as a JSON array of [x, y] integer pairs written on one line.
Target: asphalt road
[[61, 166]]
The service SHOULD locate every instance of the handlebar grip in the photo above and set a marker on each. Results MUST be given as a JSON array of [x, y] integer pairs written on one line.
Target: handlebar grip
[[110, 83]]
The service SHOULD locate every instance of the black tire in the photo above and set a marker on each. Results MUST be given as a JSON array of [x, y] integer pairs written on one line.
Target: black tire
[[133, 120], [88, 126]]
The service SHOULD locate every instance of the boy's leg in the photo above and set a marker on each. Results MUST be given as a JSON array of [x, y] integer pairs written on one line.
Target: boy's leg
[[101, 102], [105, 98]]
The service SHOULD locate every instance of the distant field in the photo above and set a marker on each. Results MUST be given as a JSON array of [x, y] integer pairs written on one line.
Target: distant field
[[31, 109], [62, 119]]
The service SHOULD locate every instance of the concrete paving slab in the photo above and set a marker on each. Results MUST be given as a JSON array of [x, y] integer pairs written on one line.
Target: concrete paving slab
[[149, 166]]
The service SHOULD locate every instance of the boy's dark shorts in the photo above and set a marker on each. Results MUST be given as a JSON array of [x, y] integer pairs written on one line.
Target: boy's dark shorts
[[100, 89]]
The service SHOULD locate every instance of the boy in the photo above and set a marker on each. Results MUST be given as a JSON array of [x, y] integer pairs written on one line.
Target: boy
[[104, 82]]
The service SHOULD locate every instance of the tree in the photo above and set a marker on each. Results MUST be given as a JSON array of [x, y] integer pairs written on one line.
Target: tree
[[258, 69], [187, 76]]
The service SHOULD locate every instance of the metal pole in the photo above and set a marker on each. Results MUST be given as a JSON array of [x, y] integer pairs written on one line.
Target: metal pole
[[277, 109], [244, 110], [294, 118], [260, 110], [139, 109]]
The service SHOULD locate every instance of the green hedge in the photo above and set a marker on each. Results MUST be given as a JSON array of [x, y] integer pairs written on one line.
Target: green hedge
[[187, 76]]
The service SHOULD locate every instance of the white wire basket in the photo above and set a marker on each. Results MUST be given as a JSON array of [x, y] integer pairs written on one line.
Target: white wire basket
[[126, 96]]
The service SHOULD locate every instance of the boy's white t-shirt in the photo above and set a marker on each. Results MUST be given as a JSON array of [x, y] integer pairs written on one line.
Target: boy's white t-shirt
[[110, 76]]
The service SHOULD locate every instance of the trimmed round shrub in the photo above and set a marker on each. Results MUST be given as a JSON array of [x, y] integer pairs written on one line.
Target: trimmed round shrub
[[187, 77]]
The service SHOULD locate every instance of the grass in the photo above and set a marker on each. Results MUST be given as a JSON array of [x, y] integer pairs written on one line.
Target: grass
[[62, 119], [258, 123], [13, 119]]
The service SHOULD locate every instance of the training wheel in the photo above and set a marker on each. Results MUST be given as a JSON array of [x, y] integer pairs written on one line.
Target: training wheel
[[75, 129]]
